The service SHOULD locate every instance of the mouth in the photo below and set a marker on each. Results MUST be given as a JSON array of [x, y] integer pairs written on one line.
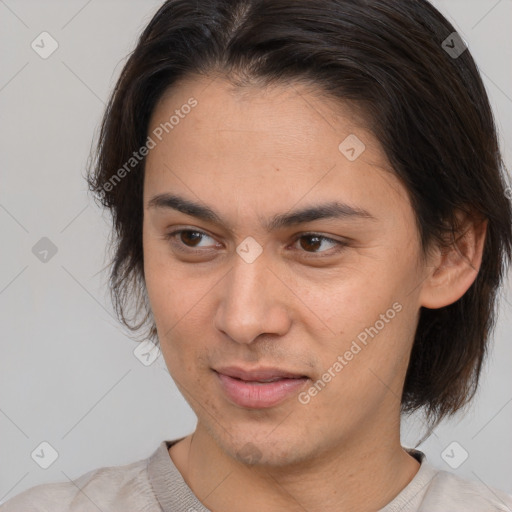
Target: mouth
[[260, 388]]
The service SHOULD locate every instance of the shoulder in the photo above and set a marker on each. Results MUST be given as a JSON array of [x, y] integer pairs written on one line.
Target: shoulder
[[448, 491], [124, 487]]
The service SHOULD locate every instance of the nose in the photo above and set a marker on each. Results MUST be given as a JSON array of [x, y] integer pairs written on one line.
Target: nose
[[253, 302]]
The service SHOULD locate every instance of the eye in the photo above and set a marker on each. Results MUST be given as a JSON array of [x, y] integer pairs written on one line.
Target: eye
[[188, 238], [311, 242]]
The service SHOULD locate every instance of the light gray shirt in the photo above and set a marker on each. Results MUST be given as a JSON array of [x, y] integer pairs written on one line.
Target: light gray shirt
[[155, 485]]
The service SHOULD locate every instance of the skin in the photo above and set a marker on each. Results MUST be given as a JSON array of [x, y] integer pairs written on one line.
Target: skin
[[250, 154]]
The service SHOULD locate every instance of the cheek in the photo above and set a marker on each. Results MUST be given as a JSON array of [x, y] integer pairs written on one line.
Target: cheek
[[157, 280], [163, 290], [365, 366], [177, 303], [346, 303], [164, 283], [368, 320]]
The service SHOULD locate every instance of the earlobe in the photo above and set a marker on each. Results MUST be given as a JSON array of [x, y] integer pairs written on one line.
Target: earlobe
[[453, 269]]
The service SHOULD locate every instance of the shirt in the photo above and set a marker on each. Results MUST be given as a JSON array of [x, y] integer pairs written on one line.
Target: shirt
[[155, 485]]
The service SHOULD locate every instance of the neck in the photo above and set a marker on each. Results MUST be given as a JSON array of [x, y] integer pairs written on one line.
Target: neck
[[362, 475]]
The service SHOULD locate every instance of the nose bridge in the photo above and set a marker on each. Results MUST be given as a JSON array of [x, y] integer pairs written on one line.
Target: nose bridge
[[246, 296], [249, 304]]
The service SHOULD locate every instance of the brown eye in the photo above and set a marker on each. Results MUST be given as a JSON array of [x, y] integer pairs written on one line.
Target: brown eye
[[184, 239], [190, 238], [311, 243]]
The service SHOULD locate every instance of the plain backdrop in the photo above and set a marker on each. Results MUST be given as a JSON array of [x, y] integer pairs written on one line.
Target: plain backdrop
[[68, 373]]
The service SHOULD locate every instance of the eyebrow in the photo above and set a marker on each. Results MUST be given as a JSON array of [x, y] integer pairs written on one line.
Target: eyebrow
[[330, 210]]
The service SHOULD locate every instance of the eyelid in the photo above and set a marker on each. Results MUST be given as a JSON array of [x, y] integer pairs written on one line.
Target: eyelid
[[319, 235], [172, 234], [341, 244]]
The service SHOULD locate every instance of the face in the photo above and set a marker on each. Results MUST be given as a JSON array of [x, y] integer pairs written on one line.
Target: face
[[288, 252]]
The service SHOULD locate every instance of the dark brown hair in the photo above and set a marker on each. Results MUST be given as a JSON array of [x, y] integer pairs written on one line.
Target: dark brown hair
[[426, 105]]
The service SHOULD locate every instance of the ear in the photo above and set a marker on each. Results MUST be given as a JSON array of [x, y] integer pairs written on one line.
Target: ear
[[452, 269]]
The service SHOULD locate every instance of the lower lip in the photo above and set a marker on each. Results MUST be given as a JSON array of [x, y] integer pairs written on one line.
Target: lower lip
[[259, 396]]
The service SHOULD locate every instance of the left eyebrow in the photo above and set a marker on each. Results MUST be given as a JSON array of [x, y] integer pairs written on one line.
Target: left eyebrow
[[331, 210]]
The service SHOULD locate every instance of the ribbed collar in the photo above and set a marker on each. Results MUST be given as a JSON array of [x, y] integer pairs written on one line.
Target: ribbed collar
[[174, 495]]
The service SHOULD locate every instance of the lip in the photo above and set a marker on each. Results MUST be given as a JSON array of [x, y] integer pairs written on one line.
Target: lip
[[241, 387], [258, 373]]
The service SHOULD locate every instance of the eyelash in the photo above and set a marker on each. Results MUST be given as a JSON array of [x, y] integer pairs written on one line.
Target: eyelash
[[190, 250]]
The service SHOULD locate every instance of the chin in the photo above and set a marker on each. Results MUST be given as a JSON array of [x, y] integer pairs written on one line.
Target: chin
[[254, 447]]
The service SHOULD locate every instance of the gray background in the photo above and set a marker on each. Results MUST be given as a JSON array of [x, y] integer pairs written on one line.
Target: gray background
[[68, 373]]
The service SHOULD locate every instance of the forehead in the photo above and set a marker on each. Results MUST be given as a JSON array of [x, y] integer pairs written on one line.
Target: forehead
[[283, 117], [264, 144]]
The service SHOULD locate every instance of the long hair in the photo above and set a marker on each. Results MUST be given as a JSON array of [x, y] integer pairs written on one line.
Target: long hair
[[402, 62]]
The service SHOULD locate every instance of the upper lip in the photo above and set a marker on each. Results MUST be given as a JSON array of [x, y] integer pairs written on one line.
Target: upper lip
[[258, 373]]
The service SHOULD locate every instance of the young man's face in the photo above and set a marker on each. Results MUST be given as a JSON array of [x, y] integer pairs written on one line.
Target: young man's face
[[241, 294]]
